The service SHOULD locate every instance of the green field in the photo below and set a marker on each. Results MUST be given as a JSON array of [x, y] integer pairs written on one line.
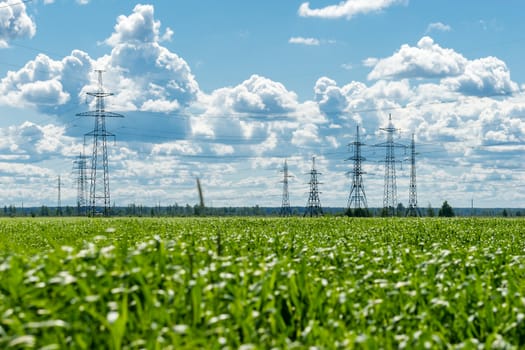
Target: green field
[[241, 283]]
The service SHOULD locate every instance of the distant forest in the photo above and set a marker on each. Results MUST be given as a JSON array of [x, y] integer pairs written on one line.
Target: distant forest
[[196, 210]]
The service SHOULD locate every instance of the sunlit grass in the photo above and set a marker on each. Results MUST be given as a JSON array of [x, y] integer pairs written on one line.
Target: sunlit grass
[[262, 283]]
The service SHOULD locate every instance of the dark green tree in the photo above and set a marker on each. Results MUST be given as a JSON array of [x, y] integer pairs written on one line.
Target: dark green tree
[[446, 210], [357, 212]]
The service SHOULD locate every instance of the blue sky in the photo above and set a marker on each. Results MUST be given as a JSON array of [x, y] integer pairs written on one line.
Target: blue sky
[[226, 90]]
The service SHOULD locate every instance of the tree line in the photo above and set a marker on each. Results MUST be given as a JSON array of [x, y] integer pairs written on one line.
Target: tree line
[[175, 210]]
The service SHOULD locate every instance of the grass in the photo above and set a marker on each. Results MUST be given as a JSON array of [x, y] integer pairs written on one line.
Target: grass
[[261, 283]]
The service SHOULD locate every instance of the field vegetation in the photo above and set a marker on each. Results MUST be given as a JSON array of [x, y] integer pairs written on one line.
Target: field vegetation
[[249, 283]]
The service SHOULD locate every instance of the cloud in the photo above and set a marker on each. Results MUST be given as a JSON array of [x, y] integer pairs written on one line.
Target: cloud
[[235, 138], [347, 9], [481, 77], [222, 149], [46, 84], [304, 41], [330, 98], [15, 23], [484, 77], [255, 95], [176, 147], [356, 103], [307, 135], [139, 27], [426, 60], [246, 114], [80, 2], [370, 61], [34, 142], [258, 116], [150, 77], [144, 75], [438, 26]]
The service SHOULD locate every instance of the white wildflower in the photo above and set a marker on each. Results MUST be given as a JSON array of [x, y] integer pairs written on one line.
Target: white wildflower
[[180, 328], [112, 316], [27, 340]]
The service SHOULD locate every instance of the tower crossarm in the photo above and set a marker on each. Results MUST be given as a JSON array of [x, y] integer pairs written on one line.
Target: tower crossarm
[[393, 144], [99, 114]]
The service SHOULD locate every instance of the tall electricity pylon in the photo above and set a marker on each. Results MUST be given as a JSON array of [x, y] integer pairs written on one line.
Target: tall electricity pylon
[[390, 189], [80, 166], [357, 197], [99, 196], [59, 198], [313, 206], [285, 206], [412, 209]]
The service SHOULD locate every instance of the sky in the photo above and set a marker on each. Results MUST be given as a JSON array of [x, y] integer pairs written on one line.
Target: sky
[[228, 90]]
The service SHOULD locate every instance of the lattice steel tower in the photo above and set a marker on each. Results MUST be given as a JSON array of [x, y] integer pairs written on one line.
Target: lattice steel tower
[[285, 206], [99, 196], [390, 189], [357, 197], [412, 209], [313, 206], [59, 198], [80, 166]]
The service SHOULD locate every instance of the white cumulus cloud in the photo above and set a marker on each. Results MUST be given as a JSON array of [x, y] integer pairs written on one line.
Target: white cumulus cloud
[[484, 77], [139, 27], [37, 142], [143, 74], [15, 23], [140, 59], [347, 8], [426, 60], [46, 84], [255, 95]]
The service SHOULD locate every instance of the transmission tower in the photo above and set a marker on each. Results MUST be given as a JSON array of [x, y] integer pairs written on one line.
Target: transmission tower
[[390, 189], [99, 197], [59, 200], [357, 197], [313, 207], [412, 209], [285, 206], [80, 166]]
